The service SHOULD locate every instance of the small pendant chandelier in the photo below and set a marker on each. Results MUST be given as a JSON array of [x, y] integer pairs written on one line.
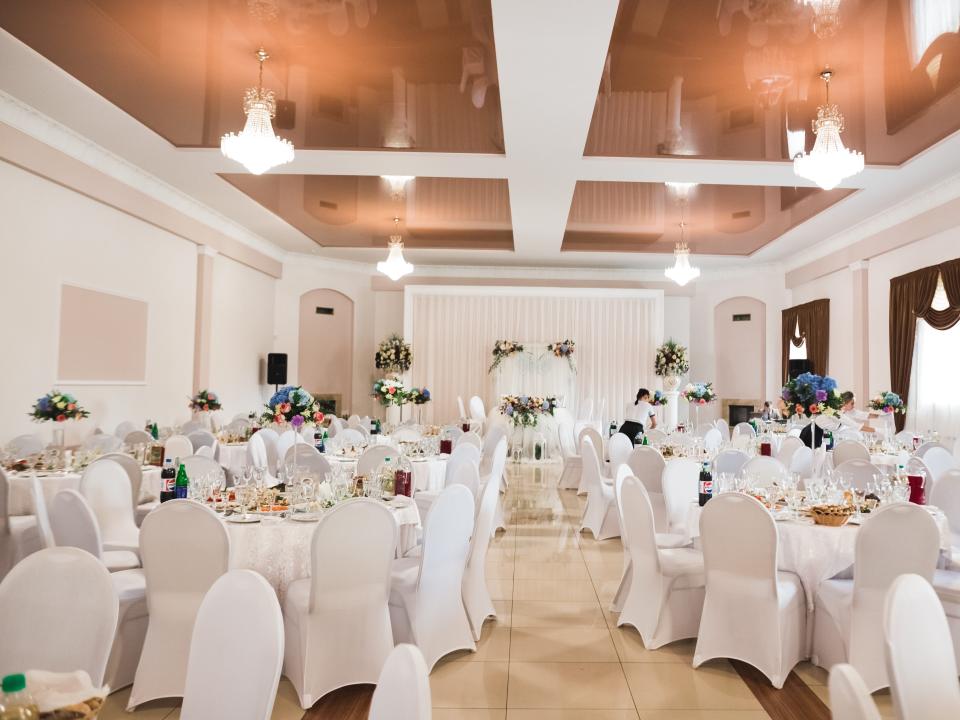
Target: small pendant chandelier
[[395, 267], [256, 147], [682, 272], [829, 163]]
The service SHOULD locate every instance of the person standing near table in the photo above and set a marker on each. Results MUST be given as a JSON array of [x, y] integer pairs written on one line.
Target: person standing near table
[[854, 419], [640, 416]]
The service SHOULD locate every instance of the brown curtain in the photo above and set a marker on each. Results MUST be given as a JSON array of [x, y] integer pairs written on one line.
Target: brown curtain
[[814, 320], [910, 298]]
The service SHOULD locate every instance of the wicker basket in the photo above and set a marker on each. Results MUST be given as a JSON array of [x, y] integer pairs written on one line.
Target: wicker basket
[[831, 515]]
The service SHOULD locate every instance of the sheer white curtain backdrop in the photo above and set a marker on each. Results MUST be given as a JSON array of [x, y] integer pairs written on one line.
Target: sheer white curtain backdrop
[[453, 330]]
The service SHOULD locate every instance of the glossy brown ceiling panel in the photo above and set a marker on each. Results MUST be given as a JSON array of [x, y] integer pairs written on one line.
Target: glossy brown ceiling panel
[[347, 73], [358, 212], [719, 219], [738, 79]]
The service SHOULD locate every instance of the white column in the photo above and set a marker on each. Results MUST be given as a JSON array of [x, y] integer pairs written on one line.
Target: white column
[[861, 329], [204, 317], [673, 407]]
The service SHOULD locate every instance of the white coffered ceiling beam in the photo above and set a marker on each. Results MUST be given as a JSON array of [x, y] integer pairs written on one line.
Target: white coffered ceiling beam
[[550, 56]]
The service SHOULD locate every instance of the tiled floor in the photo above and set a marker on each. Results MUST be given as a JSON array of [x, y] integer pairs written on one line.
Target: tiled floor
[[555, 652]]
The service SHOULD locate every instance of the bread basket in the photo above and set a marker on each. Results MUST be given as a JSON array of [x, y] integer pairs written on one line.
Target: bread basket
[[831, 515]]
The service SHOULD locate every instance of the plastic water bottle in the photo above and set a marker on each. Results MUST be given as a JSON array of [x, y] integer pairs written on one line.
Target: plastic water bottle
[[17, 702]]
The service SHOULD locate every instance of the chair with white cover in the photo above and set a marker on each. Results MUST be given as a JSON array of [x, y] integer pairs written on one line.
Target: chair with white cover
[[859, 473], [946, 496], [124, 429], [655, 437], [724, 427], [137, 437], [41, 600], [403, 689], [730, 461], [476, 596], [745, 428], [788, 447], [353, 421], [197, 466], [202, 438], [572, 464], [298, 451], [938, 461], [106, 486], [850, 612], [190, 426], [259, 454], [680, 482], [921, 451], [314, 464], [134, 473], [205, 451], [665, 596], [74, 524], [849, 697], [751, 612], [619, 447], [24, 445], [247, 662], [18, 533], [647, 464], [287, 440], [102, 443], [373, 457], [269, 436], [426, 600], [600, 514], [597, 439], [956, 449], [348, 437], [406, 433], [337, 622], [185, 548], [177, 446], [42, 515], [920, 660], [471, 438], [765, 471], [712, 440], [801, 462], [478, 413], [849, 450]]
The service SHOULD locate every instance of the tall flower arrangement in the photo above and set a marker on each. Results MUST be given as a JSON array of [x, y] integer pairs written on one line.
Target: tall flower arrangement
[[294, 405], [394, 355], [419, 396], [204, 400], [391, 391], [671, 360], [658, 399], [888, 403], [564, 349], [525, 410], [808, 395], [57, 407], [503, 349], [699, 393]]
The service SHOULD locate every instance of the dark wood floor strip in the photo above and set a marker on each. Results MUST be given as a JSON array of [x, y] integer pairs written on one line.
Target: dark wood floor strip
[[349, 703], [795, 701]]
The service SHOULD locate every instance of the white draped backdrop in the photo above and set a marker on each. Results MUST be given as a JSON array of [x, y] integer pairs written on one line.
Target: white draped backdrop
[[453, 329]]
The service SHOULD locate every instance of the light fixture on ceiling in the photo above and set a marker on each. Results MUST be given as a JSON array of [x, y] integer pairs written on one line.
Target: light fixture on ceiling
[[256, 147], [829, 162], [682, 271], [826, 17], [395, 267], [398, 184], [681, 189]]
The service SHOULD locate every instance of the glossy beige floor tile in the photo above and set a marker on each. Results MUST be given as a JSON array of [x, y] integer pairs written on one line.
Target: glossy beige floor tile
[[115, 708], [568, 686], [529, 570], [469, 685], [562, 644], [705, 715], [578, 714], [500, 588], [676, 686], [554, 590], [811, 674], [494, 645], [533, 613], [630, 648], [472, 714]]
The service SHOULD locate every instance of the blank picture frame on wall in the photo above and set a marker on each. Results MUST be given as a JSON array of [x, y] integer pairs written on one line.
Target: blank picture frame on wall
[[103, 338]]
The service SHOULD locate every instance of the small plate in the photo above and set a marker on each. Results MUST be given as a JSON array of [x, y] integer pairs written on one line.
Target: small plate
[[250, 518], [305, 516]]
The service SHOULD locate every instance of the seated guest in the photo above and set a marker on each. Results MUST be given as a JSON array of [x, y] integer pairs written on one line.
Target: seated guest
[[640, 416], [770, 413], [852, 418]]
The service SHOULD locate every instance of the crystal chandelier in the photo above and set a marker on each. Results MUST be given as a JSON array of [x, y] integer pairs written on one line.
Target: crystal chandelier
[[256, 147], [826, 17], [682, 272], [395, 267], [398, 184], [829, 162]]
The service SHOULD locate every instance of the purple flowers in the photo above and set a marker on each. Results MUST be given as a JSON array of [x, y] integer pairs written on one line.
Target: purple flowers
[[821, 395], [297, 421]]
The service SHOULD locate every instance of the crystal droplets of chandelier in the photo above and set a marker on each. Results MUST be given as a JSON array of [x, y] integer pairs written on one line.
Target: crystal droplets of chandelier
[[826, 17], [829, 162]]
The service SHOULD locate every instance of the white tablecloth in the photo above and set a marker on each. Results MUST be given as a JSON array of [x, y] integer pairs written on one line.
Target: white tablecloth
[[20, 499], [428, 473], [279, 549]]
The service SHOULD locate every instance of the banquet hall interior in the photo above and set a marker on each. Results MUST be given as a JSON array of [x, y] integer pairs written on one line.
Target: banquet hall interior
[[480, 359]]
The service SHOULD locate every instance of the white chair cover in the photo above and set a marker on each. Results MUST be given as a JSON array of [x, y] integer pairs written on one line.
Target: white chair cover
[[859, 473], [938, 460], [44, 530], [647, 464], [125, 428], [572, 465], [300, 451], [287, 441], [849, 450], [850, 612], [350, 437], [477, 410], [849, 697], [788, 447], [801, 461], [102, 443], [18, 534], [426, 602], [763, 470], [197, 465], [177, 446], [205, 451], [750, 612], [471, 438], [730, 461], [461, 454], [185, 548], [597, 439], [403, 689], [202, 438], [745, 428], [946, 496], [247, 662], [724, 427], [406, 433], [600, 514], [73, 524], [373, 457], [133, 470], [619, 447], [106, 486], [24, 445], [655, 437], [924, 447], [137, 437], [476, 596], [681, 478], [315, 464], [191, 425], [920, 659], [665, 596], [41, 600], [712, 440]]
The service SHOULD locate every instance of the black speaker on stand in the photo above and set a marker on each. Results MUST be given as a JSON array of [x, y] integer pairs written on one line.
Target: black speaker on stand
[[277, 369], [799, 367]]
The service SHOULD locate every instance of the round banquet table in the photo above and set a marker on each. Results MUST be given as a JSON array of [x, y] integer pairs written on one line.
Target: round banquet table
[[20, 497], [818, 552], [428, 472], [279, 548]]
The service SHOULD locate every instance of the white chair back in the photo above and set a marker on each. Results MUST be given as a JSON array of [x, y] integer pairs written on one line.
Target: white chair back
[[486, 509], [724, 427], [468, 452], [106, 486], [763, 470], [133, 470], [201, 438], [406, 433], [680, 482], [938, 460], [471, 438], [239, 598], [177, 446], [567, 443], [287, 441], [730, 461], [269, 436], [299, 451], [712, 439], [849, 450], [314, 464], [102, 443], [859, 473], [205, 451], [946, 496], [373, 457], [351, 437], [73, 524], [124, 429], [446, 540], [137, 437], [849, 697], [619, 448], [41, 600], [477, 410], [43, 516], [23, 445], [464, 473], [190, 426], [403, 690], [924, 447], [597, 439], [647, 464], [655, 437], [257, 453], [788, 447], [801, 461], [197, 466], [744, 428], [185, 548], [920, 659]]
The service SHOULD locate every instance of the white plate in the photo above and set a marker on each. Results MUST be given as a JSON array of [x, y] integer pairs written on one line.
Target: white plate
[[250, 518], [305, 516]]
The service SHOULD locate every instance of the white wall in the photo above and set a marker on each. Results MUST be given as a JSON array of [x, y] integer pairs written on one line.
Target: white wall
[[50, 235], [241, 335]]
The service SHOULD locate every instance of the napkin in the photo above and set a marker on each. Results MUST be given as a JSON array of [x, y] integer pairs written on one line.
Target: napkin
[[53, 691]]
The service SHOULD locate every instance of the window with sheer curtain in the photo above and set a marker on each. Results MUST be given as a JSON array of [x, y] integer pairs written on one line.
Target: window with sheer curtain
[[934, 391], [928, 20]]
